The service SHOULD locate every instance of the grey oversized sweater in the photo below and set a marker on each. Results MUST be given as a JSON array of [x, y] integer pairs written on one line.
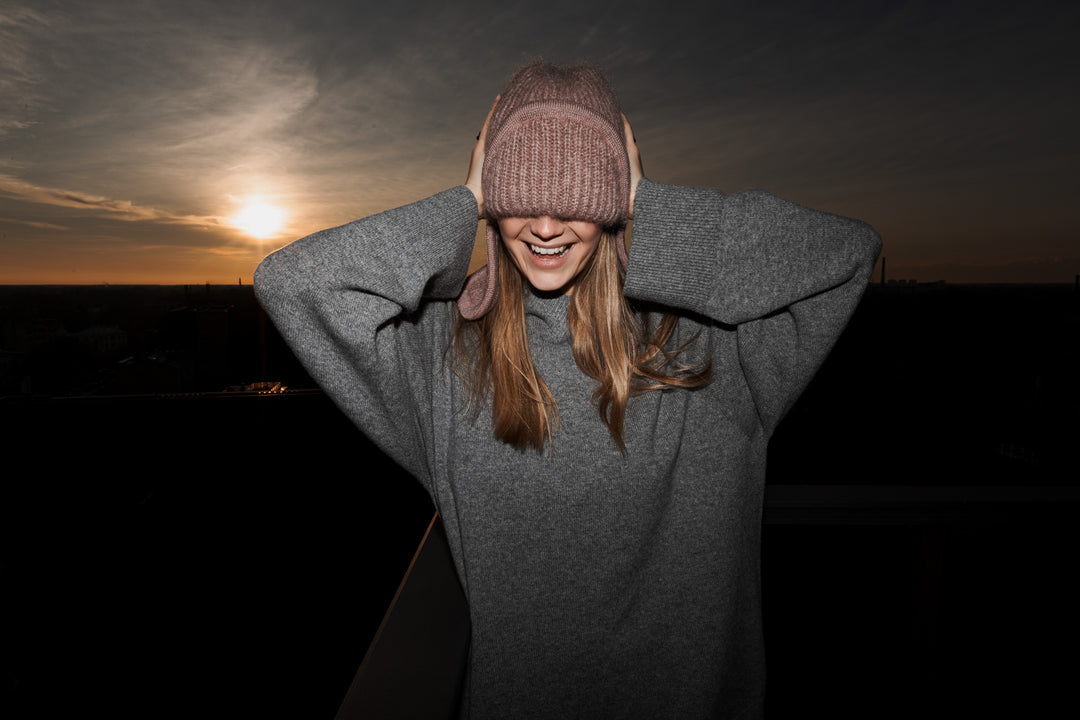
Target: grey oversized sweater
[[600, 585]]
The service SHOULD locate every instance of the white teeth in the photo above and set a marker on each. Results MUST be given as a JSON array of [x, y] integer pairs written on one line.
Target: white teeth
[[548, 251]]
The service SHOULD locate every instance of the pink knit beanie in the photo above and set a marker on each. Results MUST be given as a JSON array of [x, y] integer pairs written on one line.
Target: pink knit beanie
[[555, 146]]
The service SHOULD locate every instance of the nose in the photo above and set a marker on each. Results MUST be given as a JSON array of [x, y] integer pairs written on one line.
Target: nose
[[546, 227]]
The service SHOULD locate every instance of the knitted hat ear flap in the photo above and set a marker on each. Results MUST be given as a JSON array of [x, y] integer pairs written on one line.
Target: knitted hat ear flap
[[482, 287]]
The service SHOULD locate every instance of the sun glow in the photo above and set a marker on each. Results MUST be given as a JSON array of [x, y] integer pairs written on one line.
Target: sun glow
[[259, 219]]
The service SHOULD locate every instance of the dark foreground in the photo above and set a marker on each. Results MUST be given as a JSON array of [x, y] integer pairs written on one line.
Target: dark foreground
[[231, 554]]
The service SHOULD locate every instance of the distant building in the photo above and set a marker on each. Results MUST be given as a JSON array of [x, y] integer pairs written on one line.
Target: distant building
[[268, 387], [103, 341]]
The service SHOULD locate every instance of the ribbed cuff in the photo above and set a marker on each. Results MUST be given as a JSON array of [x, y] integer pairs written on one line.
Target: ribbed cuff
[[673, 245]]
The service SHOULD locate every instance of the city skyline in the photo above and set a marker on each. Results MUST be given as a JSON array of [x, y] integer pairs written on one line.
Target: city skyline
[[175, 144]]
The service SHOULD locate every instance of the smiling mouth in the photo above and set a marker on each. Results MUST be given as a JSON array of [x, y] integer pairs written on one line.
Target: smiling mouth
[[548, 252]]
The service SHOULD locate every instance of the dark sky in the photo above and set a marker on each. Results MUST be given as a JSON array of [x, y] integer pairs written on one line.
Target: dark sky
[[133, 135]]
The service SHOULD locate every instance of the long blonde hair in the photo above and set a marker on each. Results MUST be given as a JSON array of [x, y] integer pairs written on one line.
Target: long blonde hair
[[612, 344]]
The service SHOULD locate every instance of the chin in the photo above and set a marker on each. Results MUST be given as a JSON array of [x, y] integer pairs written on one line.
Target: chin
[[552, 287]]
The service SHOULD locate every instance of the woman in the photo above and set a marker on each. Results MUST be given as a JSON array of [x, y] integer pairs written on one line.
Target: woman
[[591, 424]]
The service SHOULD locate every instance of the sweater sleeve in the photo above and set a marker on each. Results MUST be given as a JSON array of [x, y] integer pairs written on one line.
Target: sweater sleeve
[[784, 277], [348, 301]]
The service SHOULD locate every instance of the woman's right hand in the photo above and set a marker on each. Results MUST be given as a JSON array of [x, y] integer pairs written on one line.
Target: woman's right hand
[[476, 164], [634, 155]]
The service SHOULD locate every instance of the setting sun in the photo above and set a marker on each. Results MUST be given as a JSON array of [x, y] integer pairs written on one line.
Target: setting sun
[[259, 219]]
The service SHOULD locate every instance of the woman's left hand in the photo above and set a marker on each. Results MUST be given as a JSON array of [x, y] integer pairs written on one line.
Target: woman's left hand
[[636, 171]]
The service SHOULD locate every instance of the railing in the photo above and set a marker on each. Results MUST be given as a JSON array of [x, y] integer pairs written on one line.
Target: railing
[[911, 504], [415, 664]]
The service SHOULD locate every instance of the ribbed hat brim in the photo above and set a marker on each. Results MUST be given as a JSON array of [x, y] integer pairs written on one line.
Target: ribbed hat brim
[[551, 159]]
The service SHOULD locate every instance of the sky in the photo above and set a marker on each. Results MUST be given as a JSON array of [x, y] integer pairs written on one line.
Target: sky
[[180, 142]]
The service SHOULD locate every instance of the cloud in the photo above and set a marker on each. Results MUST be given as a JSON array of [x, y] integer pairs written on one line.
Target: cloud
[[18, 27], [20, 190], [918, 116], [38, 225], [153, 102]]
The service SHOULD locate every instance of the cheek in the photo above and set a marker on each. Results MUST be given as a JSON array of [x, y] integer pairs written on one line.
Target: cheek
[[510, 228], [507, 233], [589, 233], [510, 252], [586, 230], [590, 237]]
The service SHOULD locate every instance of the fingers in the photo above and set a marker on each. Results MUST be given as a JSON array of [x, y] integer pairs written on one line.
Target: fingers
[[476, 163], [483, 130], [634, 155]]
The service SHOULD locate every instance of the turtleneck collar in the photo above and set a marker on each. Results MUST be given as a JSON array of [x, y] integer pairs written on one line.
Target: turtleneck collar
[[546, 315]]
